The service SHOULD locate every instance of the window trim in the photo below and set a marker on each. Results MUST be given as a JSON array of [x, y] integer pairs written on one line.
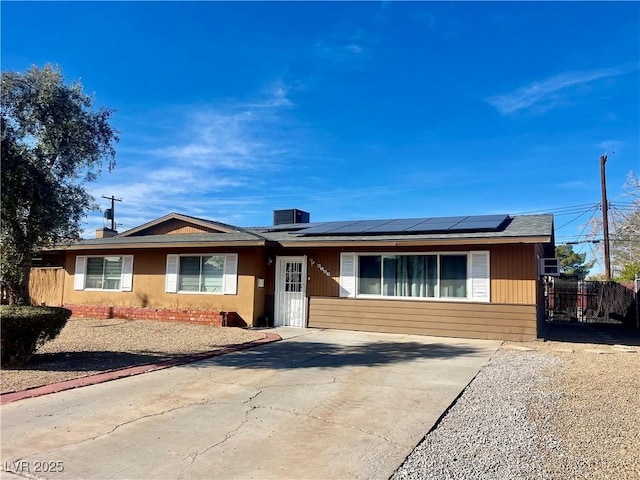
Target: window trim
[[469, 298], [229, 273], [126, 273]]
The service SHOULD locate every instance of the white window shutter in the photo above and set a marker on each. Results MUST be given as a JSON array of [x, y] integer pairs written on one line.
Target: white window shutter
[[348, 275], [171, 277], [480, 279], [127, 273], [230, 274], [78, 278]]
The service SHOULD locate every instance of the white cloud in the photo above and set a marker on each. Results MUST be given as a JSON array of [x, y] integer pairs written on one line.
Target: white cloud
[[206, 158], [230, 137], [548, 93], [275, 95], [354, 48], [342, 50], [610, 146]]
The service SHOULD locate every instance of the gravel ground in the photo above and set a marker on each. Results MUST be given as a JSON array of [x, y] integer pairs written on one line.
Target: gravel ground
[[85, 347], [547, 410]]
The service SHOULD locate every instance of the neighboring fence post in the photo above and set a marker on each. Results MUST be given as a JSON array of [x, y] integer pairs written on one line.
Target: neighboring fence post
[[636, 284]]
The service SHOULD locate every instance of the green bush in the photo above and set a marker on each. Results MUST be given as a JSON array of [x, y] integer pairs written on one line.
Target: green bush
[[25, 329]]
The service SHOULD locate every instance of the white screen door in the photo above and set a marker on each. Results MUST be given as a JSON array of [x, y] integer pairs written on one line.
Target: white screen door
[[290, 294]]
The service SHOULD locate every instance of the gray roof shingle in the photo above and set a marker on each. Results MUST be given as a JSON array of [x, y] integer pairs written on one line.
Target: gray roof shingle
[[519, 226]]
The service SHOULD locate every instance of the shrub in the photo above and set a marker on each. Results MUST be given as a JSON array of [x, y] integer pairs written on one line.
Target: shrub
[[25, 329]]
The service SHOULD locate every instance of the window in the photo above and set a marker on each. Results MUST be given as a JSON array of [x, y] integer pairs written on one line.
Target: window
[[293, 277], [208, 273], [443, 275], [453, 276], [409, 275], [369, 275], [104, 273], [201, 274]]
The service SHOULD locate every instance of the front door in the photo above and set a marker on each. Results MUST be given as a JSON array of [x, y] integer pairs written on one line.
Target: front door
[[290, 294]]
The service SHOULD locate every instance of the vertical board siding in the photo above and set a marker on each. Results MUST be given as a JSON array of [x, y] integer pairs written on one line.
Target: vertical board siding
[[175, 227], [324, 273], [450, 319], [513, 274]]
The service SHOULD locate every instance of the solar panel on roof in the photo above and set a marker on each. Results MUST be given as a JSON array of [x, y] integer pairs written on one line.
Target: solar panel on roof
[[435, 224], [327, 227], [393, 226], [484, 222], [408, 225], [360, 227]]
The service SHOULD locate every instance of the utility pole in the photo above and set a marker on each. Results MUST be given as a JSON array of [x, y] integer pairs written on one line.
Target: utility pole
[[113, 209], [605, 219]]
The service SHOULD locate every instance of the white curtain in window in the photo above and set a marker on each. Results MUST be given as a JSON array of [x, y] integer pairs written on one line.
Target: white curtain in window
[[409, 275]]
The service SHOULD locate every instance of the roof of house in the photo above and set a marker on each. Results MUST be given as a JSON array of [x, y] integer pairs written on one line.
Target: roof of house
[[238, 239], [532, 228], [502, 229]]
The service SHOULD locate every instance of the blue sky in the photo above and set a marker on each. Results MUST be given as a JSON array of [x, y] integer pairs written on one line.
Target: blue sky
[[350, 110]]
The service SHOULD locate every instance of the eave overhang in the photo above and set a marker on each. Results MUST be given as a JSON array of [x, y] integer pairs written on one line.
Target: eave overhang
[[415, 243], [159, 245]]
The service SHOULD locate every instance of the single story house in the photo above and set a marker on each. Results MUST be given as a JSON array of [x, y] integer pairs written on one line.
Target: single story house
[[468, 276]]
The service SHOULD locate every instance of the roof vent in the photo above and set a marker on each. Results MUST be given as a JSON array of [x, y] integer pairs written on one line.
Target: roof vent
[[288, 216]]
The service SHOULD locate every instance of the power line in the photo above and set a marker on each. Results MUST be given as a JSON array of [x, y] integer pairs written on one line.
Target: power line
[[593, 208], [562, 209]]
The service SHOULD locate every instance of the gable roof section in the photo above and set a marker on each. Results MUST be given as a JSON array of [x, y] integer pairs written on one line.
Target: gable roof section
[[216, 234], [216, 227]]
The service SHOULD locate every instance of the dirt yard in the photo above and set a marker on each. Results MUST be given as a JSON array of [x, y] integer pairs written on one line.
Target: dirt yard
[[595, 415], [566, 408], [86, 347]]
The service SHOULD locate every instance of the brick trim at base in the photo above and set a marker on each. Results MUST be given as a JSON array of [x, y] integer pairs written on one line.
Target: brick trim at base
[[202, 317]]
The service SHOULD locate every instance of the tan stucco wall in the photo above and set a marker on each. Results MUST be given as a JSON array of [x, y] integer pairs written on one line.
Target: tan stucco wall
[[149, 284]]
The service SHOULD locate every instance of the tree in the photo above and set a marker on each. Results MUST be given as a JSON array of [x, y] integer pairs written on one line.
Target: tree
[[573, 263], [625, 239], [624, 229], [629, 272], [52, 143]]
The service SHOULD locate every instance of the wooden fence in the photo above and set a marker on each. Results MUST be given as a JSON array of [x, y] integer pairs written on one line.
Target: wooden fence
[[46, 285]]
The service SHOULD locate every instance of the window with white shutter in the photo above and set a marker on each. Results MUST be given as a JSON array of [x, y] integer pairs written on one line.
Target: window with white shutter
[[171, 277], [78, 276], [210, 273], [480, 279], [230, 279], [127, 273], [453, 276], [112, 272], [347, 274]]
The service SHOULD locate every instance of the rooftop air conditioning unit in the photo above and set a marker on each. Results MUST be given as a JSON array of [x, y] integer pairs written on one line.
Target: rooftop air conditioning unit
[[290, 216], [549, 267]]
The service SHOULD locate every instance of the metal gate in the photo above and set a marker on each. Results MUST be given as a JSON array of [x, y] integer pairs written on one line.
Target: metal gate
[[586, 301]]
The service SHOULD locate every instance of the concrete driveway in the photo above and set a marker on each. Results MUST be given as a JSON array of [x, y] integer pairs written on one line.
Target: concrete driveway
[[319, 404]]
